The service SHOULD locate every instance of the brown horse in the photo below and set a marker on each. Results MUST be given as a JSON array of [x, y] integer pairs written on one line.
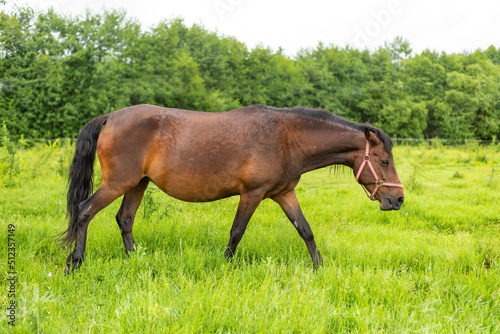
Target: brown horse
[[256, 152]]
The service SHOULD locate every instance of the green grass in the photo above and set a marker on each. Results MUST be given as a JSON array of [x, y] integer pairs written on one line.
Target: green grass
[[432, 267]]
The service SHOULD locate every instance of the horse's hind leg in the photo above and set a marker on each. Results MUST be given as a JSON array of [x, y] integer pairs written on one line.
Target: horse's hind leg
[[126, 214], [86, 211]]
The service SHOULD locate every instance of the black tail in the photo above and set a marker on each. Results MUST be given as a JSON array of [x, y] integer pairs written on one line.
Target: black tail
[[81, 175]]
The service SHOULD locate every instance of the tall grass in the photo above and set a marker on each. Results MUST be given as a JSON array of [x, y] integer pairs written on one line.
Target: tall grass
[[432, 267]]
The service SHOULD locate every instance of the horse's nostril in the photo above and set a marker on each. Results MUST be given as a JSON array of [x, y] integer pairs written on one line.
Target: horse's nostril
[[401, 199]]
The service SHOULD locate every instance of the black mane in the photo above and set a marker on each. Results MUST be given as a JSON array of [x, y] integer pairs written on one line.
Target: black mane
[[325, 115]]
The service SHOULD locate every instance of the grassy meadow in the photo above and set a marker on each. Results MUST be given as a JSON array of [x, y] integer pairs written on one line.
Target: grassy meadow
[[432, 267]]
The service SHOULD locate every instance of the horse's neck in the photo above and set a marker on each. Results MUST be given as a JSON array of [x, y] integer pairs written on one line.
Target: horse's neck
[[326, 145]]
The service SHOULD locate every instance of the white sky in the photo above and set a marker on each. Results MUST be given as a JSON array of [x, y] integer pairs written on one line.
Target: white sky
[[451, 26]]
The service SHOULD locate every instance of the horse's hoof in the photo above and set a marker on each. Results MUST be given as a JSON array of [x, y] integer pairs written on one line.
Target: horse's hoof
[[67, 270], [228, 253], [72, 265]]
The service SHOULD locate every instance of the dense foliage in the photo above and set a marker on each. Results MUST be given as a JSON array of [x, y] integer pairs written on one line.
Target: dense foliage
[[57, 72]]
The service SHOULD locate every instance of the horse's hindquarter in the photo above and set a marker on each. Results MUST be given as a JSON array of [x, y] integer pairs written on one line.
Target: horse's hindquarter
[[197, 156], [125, 144]]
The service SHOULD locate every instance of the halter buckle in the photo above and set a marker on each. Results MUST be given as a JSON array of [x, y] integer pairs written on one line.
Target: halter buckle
[[366, 158], [379, 183]]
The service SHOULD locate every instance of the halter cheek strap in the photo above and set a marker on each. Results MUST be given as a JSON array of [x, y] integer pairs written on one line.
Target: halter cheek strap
[[378, 181]]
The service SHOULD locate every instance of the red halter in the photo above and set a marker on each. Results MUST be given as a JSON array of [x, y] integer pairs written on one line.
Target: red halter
[[378, 181]]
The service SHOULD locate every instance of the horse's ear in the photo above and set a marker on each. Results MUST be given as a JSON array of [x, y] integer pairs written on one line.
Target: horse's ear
[[370, 136]]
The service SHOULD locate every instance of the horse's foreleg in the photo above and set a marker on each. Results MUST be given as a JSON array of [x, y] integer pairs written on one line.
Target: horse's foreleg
[[126, 214], [86, 211], [248, 203], [290, 205]]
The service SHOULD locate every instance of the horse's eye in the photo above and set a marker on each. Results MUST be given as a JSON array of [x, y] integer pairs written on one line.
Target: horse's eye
[[385, 162]]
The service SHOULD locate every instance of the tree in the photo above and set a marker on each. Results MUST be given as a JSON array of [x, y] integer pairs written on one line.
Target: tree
[[57, 72]]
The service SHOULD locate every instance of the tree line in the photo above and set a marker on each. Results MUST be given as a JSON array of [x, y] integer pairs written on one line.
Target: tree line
[[59, 71]]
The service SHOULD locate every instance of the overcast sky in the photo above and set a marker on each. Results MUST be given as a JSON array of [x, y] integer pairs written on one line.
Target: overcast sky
[[451, 26]]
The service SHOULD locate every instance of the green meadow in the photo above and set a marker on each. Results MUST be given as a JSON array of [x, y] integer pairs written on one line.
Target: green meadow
[[431, 267]]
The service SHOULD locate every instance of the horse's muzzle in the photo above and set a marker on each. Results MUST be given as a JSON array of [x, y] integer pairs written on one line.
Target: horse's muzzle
[[392, 203]]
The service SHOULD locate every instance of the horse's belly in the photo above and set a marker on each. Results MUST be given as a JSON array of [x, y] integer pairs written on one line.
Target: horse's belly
[[193, 188], [210, 175]]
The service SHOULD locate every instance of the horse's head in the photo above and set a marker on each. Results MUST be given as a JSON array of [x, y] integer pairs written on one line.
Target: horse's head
[[375, 171]]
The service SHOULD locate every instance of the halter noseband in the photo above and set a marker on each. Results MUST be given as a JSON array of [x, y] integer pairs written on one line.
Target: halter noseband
[[378, 181]]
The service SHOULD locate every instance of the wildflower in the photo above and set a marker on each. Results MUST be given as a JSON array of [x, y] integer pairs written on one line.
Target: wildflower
[[50, 274]]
